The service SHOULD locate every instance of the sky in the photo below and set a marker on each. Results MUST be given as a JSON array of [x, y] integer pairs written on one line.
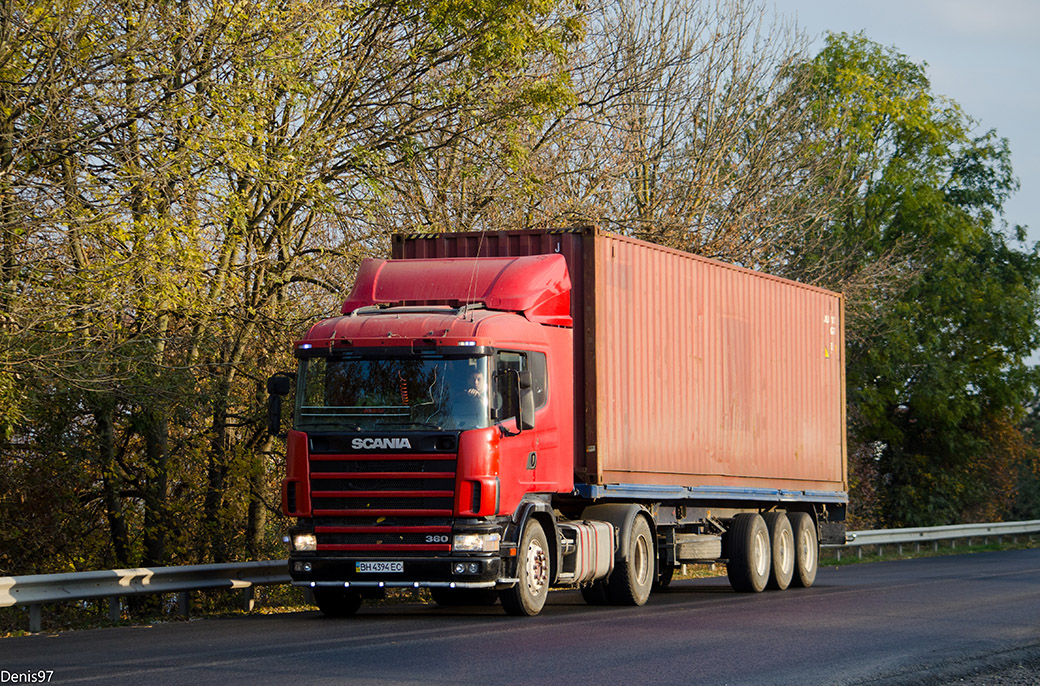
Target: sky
[[983, 54]]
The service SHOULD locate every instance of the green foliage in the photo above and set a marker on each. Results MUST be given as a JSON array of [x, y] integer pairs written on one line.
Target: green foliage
[[181, 187], [936, 365]]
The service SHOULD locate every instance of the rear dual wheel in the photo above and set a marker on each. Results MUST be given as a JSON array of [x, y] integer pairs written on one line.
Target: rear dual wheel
[[633, 576]]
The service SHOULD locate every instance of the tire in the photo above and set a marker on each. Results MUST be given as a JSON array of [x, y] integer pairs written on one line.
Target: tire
[[463, 597], [335, 602], [781, 542], [633, 576], [527, 598], [806, 549], [596, 594], [665, 575], [749, 553]]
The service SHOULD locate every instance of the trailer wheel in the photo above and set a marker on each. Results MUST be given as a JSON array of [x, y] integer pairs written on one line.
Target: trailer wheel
[[633, 576], [461, 597], [806, 549], [748, 546], [336, 602], [527, 598], [781, 541]]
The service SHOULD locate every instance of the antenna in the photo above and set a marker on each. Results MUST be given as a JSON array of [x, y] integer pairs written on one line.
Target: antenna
[[473, 276]]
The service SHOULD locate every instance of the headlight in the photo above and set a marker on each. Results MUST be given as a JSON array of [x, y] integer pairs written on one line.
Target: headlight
[[476, 543], [305, 542]]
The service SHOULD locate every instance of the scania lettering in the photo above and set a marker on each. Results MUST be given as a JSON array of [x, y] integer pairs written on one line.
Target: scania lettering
[[380, 443], [494, 415]]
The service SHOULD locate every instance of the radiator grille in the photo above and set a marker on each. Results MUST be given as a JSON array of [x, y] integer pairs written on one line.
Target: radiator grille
[[379, 505]]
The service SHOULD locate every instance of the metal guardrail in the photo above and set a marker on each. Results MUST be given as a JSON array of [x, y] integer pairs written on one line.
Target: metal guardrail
[[36, 590], [933, 534]]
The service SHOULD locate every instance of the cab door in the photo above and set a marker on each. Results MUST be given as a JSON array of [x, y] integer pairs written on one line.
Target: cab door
[[519, 389]]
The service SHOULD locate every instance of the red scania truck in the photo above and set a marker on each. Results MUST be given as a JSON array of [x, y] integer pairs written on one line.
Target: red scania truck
[[498, 414]]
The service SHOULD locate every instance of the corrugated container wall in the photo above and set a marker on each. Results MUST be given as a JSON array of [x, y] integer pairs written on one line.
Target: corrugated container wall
[[692, 372]]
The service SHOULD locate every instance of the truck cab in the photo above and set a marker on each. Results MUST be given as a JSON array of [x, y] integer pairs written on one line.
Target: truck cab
[[424, 416]]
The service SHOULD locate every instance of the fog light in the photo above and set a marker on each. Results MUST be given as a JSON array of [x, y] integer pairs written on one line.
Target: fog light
[[474, 567], [305, 542], [459, 568]]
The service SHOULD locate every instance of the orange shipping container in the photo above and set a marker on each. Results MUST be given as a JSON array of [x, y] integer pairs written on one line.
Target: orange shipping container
[[692, 373]]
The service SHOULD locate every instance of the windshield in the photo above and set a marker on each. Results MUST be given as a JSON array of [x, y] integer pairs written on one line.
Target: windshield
[[393, 394]]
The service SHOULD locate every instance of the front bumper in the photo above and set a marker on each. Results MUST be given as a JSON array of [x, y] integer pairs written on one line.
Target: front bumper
[[415, 572]]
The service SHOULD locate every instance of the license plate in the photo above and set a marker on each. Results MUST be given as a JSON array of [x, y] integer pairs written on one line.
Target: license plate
[[379, 567]]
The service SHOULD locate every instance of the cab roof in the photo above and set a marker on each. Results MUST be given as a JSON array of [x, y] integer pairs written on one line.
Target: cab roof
[[536, 286]]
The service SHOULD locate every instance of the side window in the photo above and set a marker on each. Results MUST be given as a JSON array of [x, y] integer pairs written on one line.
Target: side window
[[509, 361]]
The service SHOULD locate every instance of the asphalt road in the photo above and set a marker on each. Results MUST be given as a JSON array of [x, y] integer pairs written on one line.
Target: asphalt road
[[926, 621]]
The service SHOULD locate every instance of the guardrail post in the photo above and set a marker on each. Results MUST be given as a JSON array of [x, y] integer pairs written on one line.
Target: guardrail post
[[35, 618], [248, 598], [183, 604], [935, 546]]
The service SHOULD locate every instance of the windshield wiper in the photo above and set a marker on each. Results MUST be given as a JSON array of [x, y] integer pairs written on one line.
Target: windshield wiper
[[425, 425]]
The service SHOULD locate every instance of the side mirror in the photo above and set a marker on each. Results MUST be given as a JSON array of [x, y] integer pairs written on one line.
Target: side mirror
[[525, 415], [522, 398], [278, 386]]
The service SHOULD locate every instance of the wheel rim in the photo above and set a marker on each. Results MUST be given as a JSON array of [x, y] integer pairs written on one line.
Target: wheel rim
[[808, 550], [760, 553], [785, 551], [641, 560], [536, 568]]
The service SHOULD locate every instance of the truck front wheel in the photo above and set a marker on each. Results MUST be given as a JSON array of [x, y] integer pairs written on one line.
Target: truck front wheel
[[748, 544], [527, 598], [335, 602]]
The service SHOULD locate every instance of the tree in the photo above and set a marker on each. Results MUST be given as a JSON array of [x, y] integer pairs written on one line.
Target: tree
[[183, 185], [678, 132], [936, 364]]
